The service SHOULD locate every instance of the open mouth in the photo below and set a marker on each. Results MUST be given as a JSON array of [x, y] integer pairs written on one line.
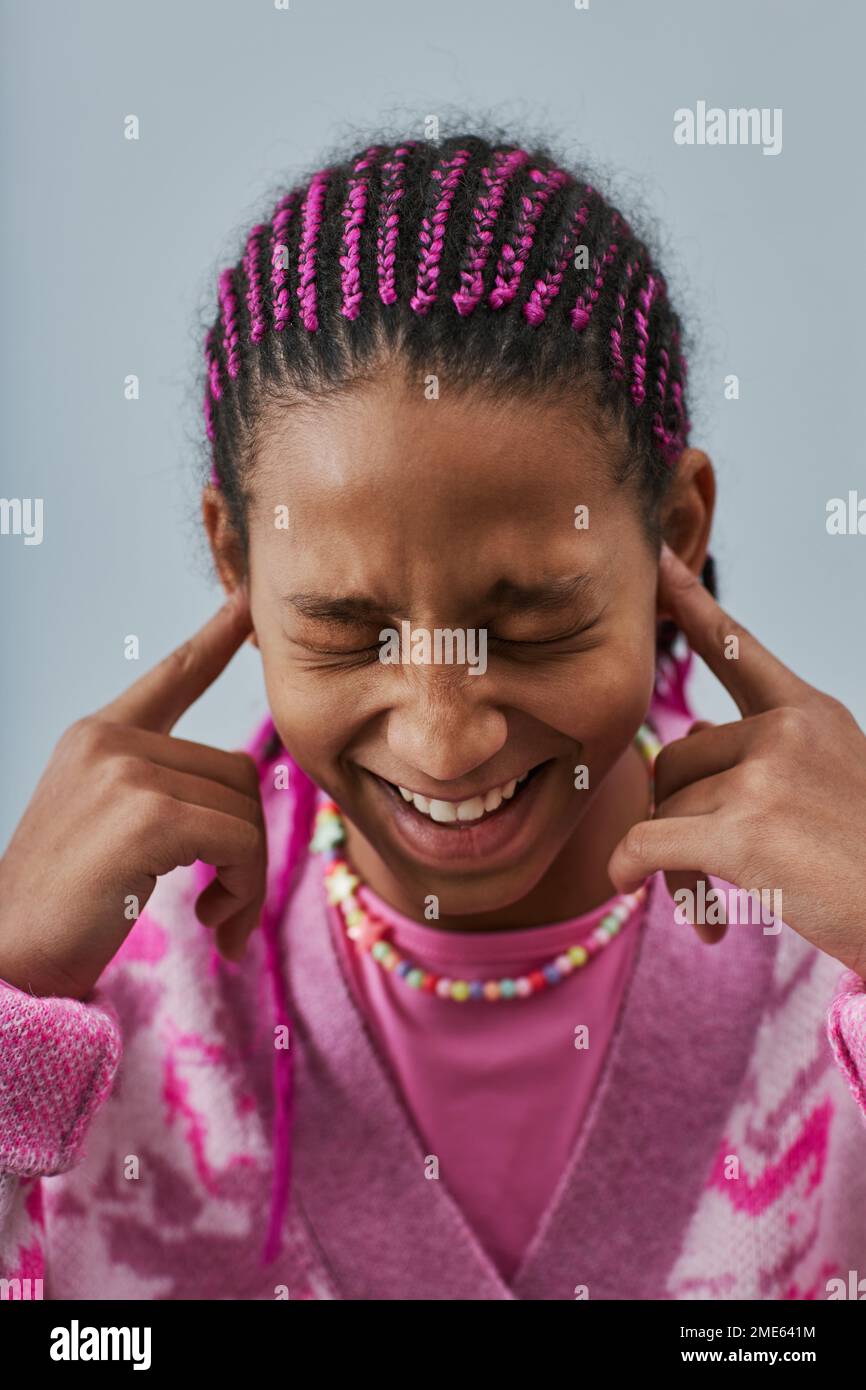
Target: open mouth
[[493, 837], [459, 815]]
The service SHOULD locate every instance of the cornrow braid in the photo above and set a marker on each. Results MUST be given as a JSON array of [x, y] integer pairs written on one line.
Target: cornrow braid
[[354, 210], [587, 299], [484, 215], [616, 332], [512, 259], [386, 241], [547, 288], [432, 234], [311, 219], [253, 272], [282, 304], [459, 252]]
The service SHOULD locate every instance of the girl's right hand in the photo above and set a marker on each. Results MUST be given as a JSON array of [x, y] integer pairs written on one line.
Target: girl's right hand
[[121, 803]]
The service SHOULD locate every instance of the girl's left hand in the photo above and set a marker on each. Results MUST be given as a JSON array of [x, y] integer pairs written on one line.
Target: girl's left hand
[[776, 800]]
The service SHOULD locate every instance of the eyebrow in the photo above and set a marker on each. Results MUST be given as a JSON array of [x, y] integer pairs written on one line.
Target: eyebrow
[[506, 595]]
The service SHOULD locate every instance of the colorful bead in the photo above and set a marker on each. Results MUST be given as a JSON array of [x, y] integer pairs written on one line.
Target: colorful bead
[[368, 933]]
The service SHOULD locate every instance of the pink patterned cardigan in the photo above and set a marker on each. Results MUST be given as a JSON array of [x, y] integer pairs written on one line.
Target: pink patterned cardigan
[[156, 1141]]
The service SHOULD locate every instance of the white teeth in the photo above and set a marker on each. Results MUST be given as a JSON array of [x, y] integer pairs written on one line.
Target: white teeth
[[470, 810], [492, 800], [447, 812]]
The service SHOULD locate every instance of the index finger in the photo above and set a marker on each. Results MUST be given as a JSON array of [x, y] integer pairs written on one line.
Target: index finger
[[158, 698], [755, 678]]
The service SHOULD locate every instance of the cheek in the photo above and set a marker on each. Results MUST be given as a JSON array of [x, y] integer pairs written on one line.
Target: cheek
[[596, 697], [316, 713]]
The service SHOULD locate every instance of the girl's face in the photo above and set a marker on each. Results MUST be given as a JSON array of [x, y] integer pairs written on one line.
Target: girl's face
[[383, 507]]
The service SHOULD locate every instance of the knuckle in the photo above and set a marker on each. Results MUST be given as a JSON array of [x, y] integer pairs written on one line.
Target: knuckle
[[154, 808], [835, 708], [635, 843], [755, 778], [126, 770], [249, 773], [86, 737], [250, 839], [791, 722]]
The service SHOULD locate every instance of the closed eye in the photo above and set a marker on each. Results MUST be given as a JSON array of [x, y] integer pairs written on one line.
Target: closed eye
[[544, 641]]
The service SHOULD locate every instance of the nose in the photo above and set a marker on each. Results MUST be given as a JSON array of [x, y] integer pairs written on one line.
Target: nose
[[445, 724]]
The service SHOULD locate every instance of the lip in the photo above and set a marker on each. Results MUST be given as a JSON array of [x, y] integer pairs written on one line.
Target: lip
[[496, 838]]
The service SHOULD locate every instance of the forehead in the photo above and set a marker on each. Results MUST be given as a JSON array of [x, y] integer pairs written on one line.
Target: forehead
[[386, 447], [448, 493]]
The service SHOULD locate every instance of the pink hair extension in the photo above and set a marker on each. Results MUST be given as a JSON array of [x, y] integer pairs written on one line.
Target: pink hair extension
[[432, 234], [582, 311], [253, 272], [616, 331], [311, 219], [511, 260], [279, 226], [484, 215], [670, 441], [271, 921], [354, 211], [212, 392], [641, 326], [231, 337], [547, 288], [386, 241]]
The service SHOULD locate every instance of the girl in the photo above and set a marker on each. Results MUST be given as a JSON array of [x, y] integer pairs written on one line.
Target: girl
[[476, 1049]]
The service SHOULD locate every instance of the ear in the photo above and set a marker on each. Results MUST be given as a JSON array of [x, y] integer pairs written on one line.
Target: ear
[[687, 514], [225, 544]]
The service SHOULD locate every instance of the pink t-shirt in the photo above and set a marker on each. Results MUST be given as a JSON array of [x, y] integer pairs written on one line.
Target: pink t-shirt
[[498, 1091]]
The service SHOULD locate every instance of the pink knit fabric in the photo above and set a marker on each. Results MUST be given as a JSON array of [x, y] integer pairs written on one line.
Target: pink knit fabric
[[498, 1095], [59, 1049], [151, 1174], [847, 1033]]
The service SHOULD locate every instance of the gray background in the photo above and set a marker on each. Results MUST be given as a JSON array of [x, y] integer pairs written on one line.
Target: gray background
[[111, 249]]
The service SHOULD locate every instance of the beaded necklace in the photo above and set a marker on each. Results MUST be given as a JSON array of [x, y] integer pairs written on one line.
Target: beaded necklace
[[369, 933]]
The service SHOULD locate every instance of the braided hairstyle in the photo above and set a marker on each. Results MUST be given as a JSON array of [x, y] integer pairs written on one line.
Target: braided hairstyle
[[458, 256]]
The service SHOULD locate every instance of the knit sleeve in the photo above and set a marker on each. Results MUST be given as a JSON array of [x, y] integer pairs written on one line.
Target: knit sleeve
[[58, 1059], [846, 1029]]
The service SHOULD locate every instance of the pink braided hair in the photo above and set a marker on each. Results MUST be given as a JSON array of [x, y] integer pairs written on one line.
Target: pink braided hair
[[252, 269], [432, 234], [386, 241], [511, 260], [582, 311], [279, 226], [354, 211], [641, 323], [484, 215], [547, 288], [616, 331], [231, 337], [311, 220]]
